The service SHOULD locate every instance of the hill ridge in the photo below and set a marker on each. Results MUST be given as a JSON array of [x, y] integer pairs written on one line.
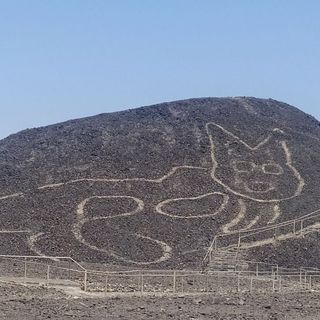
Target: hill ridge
[[154, 185]]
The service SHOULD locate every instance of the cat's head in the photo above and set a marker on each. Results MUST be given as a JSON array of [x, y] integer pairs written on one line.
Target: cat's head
[[263, 172]]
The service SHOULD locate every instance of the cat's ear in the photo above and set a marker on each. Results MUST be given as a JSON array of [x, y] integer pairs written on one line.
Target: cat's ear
[[275, 141], [278, 146], [219, 135]]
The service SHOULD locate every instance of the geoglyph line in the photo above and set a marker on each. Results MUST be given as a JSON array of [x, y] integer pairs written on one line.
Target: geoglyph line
[[158, 180], [243, 209], [290, 235], [166, 249], [241, 215], [237, 138], [82, 205], [77, 230], [284, 147], [294, 170], [160, 210], [276, 215], [14, 195], [32, 240], [15, 231]]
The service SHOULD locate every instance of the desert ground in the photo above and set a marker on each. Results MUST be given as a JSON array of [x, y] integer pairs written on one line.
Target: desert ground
[[18, 301]]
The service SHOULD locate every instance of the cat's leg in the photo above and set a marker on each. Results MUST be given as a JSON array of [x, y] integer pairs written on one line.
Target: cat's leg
[[242, 221], [275, 212]]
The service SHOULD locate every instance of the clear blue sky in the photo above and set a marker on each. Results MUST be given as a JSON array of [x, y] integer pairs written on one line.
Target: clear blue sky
[[63, 59]]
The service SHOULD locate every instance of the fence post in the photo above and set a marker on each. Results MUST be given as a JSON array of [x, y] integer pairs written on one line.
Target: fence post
[[301, 226], [174, 281], [305, 279], [238, 282], [275, 232], [251, 284], [106, 288], [294, 227], [300, 276], [48, 274], [207, 283], [85, 280], [182, 283], [310, 283], [257, 270], [239, 240], [280, 284], [25, 269], [141, 280]]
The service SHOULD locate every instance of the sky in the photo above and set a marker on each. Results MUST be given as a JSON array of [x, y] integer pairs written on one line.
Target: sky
[[61, 60]]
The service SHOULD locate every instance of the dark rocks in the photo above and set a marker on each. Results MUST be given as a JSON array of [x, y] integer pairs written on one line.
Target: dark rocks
[[150, 187]]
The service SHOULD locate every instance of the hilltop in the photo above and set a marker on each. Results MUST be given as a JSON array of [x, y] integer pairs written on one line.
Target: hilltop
[[152, 186]]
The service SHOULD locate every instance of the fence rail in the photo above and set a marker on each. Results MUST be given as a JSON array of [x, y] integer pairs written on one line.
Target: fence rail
[[264, 235], [64, 271]]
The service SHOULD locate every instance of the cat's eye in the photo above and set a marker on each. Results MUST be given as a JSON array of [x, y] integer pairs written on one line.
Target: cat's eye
[[243, 166], [272, 168]]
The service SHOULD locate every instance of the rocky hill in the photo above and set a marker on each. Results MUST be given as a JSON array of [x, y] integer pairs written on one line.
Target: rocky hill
[[152, 186]]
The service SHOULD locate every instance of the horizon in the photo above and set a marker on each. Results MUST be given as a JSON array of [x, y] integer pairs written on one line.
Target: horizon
[[69, 60], [152, 105]]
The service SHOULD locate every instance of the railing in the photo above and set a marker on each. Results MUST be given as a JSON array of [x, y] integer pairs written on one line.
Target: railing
[[64, 271], [43, 269], [264, 235]]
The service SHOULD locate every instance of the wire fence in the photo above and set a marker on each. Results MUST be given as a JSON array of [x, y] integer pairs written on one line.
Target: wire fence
[[64, 271], [244, 239]]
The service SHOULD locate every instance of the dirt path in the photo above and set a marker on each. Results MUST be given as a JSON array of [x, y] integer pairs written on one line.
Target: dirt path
[[29, 302]]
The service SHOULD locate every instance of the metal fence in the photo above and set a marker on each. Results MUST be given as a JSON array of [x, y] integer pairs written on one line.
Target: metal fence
[[64, 271], [40, 269], [244, 239]]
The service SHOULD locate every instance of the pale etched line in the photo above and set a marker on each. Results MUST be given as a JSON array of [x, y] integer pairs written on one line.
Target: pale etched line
[[166, 249], [32, 245], [77, 230], [248, 189], [158, 180], [243, 209], [82, 205], [276, 214], [279, 173], [241, 215], [288, 162], [53, 185], [290, 235], [246, 105], [15, 231], [165, 202], [251, 223], [14, 195], [312, 214], [258, 146]]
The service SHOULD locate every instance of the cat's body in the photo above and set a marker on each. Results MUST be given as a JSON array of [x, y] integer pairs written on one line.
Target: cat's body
[[147, 221]]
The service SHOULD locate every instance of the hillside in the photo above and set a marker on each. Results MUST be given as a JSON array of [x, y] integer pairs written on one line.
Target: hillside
[[152, 186]]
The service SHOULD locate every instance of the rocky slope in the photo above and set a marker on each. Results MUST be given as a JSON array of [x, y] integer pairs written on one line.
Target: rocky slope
[[150, 187]]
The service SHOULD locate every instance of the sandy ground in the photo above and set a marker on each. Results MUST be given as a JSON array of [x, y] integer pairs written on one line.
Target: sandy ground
[[31, 302]]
